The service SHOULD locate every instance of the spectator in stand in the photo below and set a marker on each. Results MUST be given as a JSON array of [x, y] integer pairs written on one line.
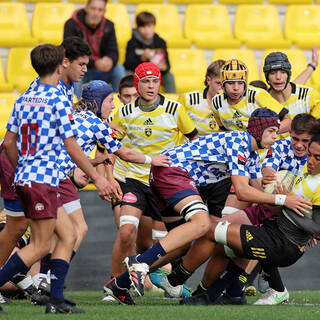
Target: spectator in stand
[[89, 24], [146, 45]]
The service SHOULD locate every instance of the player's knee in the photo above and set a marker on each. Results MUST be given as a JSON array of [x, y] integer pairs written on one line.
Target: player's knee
[[128, 230]]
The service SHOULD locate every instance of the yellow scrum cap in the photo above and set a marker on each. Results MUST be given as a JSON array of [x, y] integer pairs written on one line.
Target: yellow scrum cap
[[233, 70]]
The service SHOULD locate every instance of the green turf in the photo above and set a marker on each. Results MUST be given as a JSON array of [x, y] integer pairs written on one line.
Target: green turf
[[303, 305]]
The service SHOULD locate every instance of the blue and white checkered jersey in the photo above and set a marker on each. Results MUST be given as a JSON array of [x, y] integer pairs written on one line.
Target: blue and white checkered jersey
[[42, 118], [65, 89], [281, 157], [218, 156], [91, 130]]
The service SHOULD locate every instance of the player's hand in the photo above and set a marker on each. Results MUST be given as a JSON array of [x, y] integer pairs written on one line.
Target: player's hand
[[103, 185], [116, 189], [313, 242], [80, 178], [281, 189], [161, 160], [298, 204], [116, 130], [267, 179], [315, 56]]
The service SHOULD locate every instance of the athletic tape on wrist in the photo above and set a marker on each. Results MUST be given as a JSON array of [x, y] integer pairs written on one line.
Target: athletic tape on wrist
[[280, 199], [148, 160]]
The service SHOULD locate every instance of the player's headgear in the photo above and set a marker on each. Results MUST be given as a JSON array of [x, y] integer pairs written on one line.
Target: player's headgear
[[261, 119], [233, 70], [276, 61], [95, 92], [143, 70]]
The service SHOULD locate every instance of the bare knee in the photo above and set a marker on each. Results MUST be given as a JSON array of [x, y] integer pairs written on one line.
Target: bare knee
[[127, 235]]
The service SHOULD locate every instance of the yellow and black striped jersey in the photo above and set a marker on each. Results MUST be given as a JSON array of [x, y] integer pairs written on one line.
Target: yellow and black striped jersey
[[151, 132], [307, 186], [120, 167], [200, 112], [236, 117], [303, 99]]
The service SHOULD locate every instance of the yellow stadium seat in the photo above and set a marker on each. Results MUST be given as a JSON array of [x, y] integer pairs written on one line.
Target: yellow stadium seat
[[4, 85], [296, 57], [189, 68], [20, 72], [168, 24], [258, 26], [208, 26], [302, 25], [48, 20], [34, 1], [118, 14], [14, 25], [237, 2], [6, 104], [140, 1], [78, 1], [246, 56], [189, 1], [288, 2]]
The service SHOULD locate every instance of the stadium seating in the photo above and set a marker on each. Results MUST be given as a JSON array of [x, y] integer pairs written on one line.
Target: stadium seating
[[14, 25], [258, 26], [302, 25], [241, 1], [189, 1], [296, 57], [6, 104], [189, 68], [288, 2], [118, 14], [48, 20], [168, 24], [247, 56], [34, 1], [19, 69], [208, 26], [140, 1], [4, 85]]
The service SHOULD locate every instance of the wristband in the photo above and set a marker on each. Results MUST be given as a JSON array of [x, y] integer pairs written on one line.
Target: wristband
[[312, 66], [148, 160], [280, 199]]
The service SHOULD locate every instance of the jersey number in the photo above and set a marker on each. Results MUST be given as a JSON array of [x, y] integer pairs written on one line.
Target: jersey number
[[29, 138]]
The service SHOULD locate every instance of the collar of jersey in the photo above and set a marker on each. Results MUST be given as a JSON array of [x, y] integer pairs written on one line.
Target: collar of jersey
[[160, 101]]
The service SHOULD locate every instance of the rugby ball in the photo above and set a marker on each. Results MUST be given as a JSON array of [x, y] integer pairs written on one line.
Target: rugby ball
[[284, 177]]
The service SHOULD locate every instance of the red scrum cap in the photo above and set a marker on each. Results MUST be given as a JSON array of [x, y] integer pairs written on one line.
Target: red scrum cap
[[143, 70]]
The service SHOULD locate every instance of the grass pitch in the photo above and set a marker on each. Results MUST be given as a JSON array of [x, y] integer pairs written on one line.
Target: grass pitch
[[303, 305]]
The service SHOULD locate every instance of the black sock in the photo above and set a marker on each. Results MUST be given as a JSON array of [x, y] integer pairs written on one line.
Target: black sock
[[272, 275], [253, 274], [179, 275], [200, 289], [236, 287]]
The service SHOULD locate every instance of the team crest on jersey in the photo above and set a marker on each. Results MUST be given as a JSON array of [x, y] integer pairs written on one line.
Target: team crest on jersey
[[39, 206], [212, 124], [148, 131], [269, 153]]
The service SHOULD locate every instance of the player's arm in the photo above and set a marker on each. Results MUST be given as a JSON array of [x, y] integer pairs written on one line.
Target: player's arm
[[245, 192], [131, 155], [116, 121], [315, 104], [185, 124], [265, 100], [311, 226], [10, 146], [303, 77]]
